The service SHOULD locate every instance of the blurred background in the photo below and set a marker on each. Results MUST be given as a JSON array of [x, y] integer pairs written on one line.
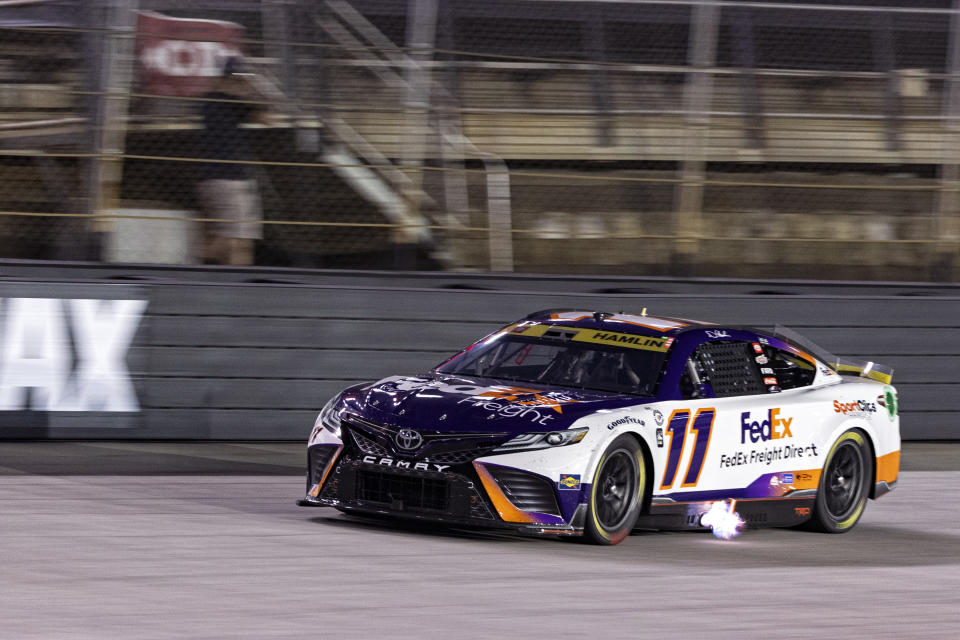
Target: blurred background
[[632, 137]]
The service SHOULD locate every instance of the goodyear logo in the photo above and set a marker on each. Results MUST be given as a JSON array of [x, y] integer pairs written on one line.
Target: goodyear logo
[[569, 481]]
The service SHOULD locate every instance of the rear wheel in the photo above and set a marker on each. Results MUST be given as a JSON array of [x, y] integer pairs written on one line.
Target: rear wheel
[[616, 492], [844, 485]]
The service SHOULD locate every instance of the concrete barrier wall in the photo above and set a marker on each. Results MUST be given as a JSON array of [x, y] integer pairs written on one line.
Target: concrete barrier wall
[[256, 360]]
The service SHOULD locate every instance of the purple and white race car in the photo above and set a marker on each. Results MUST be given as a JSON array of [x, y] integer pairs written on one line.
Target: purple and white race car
[[593, 424]]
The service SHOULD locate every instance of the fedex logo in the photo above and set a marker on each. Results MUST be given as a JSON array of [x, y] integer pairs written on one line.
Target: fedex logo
[[773, 428]]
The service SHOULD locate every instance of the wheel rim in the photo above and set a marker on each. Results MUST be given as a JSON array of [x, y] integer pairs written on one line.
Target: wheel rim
[[617, 484], [844, 486]]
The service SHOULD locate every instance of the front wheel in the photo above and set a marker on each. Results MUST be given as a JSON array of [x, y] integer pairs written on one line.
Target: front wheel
[[616, 493], [844, 485]]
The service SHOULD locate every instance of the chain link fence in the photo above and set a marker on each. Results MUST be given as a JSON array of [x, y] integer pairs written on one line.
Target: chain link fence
[[624, 137]]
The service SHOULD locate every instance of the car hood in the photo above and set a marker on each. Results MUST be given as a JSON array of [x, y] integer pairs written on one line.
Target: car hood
[[468, 404]]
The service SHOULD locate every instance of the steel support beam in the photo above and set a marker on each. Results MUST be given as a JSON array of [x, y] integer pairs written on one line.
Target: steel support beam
[[599, 80], [751, 99], [697, 98], [421, 41], [109, 47], [884, 60], [947, 228]]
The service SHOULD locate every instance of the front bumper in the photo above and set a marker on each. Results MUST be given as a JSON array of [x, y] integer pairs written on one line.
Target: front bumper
[[463, 495]]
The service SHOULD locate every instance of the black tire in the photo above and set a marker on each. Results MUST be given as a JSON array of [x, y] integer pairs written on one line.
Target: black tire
[[844, 485], [616, 493]]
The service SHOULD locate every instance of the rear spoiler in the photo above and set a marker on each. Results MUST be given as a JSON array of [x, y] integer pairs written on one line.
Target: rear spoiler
[[873, 370], [843, 366]]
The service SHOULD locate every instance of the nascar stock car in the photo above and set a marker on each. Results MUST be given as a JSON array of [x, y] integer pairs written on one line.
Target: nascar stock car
[[594, 424]]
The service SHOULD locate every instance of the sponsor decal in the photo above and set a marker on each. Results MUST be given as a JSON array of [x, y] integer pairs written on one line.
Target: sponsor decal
[[774, 480], [630, 340], [524, 327], [505, 400], [767, 371], [769, 455], [529, 397], [802, 511], [786, 478], [763, 340], [757, 348], [404, 464], [773, 428], [761, 359], [659, 438], [859, 407], [179, 56], [770, 381], [67, 355], [773, 389], [508, 410], [888, 401], [827, 371], [717, 334], [625, 420], [569, 481], [658, 417], [804, 477]]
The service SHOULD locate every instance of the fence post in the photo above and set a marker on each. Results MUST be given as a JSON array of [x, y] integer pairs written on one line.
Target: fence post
[[945, 230], [750, 96], [110, 47], [697, 100], [500, 215], [421, 41], [884, 60]]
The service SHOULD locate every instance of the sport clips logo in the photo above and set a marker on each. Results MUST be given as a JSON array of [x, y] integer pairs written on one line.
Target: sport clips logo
[[856, 407]]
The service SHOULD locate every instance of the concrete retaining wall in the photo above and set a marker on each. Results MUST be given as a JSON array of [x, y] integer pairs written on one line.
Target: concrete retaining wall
[[203, 354]]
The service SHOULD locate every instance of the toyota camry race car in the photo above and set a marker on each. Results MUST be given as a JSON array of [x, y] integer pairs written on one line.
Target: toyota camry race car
[[594, 424]]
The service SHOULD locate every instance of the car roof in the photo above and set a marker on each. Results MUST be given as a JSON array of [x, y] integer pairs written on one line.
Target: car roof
[[639, 324]]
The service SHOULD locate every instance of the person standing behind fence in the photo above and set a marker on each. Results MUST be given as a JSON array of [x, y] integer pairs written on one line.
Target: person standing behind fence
[[227, 191]]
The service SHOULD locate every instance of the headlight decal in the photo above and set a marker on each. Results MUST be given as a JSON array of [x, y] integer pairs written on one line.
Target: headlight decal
[[329, 419], [542, 440]]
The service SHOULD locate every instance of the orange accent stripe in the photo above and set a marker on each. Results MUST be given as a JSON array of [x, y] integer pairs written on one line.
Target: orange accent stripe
[[888, 467], [315, 490], [501, 503]]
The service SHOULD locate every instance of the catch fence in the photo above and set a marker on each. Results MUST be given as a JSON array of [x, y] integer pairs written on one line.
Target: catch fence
[[623, 137]]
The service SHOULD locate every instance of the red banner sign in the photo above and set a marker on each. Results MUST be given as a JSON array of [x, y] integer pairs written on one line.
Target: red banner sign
[[179, 56]]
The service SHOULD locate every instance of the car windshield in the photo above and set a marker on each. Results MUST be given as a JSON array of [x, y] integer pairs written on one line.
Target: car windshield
[[563, 362]]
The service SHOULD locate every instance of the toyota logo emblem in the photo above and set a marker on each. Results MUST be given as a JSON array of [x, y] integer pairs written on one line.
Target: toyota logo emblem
[[408, 439]]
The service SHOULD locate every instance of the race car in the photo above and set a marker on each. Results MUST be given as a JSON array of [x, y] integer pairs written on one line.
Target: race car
[[593, 424]]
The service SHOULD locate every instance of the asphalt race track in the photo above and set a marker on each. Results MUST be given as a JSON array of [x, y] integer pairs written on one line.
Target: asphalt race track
[[151, 540]]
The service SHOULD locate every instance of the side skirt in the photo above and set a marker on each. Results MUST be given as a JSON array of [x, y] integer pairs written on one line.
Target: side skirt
[[757, 512]]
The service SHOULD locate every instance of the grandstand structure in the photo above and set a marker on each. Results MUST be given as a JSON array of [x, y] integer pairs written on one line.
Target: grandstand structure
[[686, 137]]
